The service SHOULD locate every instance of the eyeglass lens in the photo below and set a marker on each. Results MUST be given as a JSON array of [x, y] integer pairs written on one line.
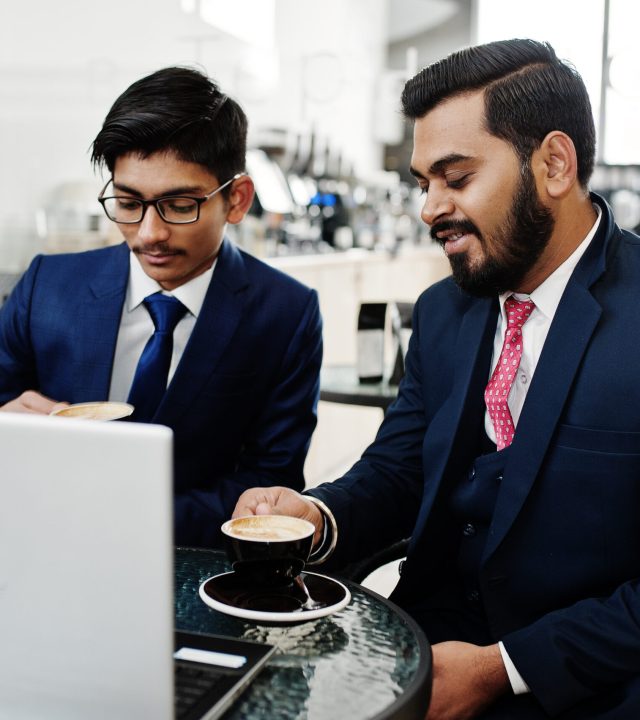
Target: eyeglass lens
[[130, 210]]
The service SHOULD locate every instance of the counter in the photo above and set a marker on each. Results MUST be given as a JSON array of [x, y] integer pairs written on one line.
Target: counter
[[343, 281]]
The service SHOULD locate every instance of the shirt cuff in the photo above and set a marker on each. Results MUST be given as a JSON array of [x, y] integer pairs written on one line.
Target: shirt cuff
[[518, 685], [330, 534]]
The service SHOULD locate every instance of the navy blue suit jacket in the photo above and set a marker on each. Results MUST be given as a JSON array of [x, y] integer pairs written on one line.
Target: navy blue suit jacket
[[242, 402], [559, 576]]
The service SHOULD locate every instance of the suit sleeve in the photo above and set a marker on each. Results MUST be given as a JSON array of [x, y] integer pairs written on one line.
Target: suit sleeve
[[17, 362], [573, 654], [274, 452], [377, 501]]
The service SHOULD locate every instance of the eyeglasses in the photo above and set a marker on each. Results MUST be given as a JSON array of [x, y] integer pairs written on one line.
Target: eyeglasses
[[174, 209]]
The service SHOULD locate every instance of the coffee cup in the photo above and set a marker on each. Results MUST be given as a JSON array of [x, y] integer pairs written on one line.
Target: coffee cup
[[95, 410], [268, 549]]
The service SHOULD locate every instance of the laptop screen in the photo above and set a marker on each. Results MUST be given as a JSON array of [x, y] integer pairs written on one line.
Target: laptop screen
[[86, 569]]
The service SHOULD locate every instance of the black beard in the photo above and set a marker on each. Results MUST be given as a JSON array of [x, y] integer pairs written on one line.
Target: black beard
[[518, 245]]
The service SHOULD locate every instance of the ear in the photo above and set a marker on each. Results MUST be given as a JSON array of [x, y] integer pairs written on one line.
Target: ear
[[558, 163], [240, 199]]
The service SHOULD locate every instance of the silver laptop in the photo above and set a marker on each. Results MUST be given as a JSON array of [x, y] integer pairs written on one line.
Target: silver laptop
[[86, 576]]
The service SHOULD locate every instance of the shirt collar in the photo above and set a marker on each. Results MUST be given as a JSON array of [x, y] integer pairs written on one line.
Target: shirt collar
[[547, 295], [191, 294]]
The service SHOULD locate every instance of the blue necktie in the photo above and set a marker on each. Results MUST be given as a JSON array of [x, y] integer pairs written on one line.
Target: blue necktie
[[150, 381]]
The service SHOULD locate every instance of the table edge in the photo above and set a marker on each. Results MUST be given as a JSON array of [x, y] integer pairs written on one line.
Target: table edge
[[417, 695]]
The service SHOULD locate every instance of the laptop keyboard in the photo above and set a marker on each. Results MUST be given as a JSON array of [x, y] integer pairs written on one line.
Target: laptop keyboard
[[193, 683]]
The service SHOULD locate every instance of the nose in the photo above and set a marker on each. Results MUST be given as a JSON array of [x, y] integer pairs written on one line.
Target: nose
[[438, 205], [152, 227]]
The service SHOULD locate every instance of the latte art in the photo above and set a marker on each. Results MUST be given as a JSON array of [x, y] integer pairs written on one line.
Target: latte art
[[265, 533], [268, 528]]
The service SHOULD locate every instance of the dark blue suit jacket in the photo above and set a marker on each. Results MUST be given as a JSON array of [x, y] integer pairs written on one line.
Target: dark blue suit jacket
[[559, 576], [242, 402]]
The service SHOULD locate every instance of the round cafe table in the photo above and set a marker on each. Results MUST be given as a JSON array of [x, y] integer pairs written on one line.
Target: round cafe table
[[368, 661]]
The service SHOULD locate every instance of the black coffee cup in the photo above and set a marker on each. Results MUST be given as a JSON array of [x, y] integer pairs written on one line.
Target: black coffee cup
[[268, 549]]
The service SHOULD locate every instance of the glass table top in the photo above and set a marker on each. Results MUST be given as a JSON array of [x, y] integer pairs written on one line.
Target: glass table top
[[369, 660]]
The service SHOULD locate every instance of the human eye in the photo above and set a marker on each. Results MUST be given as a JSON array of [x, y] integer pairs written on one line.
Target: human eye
[[126, 204], [178, 209], [179, 205], [458, 179]]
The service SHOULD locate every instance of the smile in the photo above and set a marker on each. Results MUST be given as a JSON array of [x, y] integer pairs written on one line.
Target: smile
[[453, 242]]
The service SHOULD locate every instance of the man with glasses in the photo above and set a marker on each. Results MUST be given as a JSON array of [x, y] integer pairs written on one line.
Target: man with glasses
[[194, 333]]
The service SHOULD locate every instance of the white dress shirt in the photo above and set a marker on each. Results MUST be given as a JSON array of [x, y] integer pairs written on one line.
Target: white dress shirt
[[546, 297], [136, 325]]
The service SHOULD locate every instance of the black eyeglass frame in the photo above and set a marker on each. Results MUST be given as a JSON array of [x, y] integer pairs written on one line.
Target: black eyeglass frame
[[156, 203]]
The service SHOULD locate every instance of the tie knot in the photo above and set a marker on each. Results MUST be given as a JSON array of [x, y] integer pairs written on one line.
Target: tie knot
[[518, 311], [165, 311]]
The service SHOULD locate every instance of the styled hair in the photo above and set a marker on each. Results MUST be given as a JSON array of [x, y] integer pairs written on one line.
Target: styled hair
[[178, 110], [528, 92]]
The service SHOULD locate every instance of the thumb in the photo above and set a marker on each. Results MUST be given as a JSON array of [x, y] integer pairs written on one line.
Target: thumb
[[265, 508]]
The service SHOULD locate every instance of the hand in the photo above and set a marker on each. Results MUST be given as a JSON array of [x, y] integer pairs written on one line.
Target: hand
[[32, 402], [279, 501], [466, 679]]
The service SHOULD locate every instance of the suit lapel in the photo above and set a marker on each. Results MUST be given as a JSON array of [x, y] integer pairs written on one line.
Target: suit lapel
[[573, 325], [447, 451], [472, 371], [99, 321], [221, 312]]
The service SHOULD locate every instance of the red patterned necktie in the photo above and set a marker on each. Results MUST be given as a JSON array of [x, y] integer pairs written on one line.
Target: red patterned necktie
[[497, 392]]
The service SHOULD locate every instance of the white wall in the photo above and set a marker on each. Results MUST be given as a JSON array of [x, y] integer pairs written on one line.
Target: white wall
[[63, 62], [321, 73]]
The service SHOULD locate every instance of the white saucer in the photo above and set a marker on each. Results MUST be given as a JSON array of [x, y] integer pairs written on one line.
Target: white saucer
[[232, 595]]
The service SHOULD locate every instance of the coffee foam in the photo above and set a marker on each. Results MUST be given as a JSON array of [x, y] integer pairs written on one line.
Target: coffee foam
[[268, 528], [95, 411], [265, 533]]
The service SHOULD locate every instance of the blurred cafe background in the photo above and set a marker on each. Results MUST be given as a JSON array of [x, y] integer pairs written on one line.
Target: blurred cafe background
[[329, 151]]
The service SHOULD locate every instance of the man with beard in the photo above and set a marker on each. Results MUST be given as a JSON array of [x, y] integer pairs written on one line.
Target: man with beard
[[196, 334], [512, 453]]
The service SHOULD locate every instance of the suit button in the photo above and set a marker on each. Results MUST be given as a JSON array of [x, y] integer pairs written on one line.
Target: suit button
[[472, 474], [498, 478], [473, 596], [469, 530]]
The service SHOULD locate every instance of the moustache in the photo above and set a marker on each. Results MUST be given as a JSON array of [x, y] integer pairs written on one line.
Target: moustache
[[466, 227], [156, 249]]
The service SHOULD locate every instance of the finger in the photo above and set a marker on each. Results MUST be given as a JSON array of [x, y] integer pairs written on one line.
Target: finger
[[15, 406], [285, 501], [35, 402], [264, 508], [249, 500], [29, 402], [292, 503]]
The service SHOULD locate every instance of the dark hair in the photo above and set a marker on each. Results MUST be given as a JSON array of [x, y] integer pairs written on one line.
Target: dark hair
[[177, 110], [528, 93]]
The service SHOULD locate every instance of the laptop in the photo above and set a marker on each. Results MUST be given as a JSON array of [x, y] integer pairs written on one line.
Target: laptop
[[86, 579]]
